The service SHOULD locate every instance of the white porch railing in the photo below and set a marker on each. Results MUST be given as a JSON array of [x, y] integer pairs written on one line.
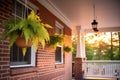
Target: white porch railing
[[101, 69]]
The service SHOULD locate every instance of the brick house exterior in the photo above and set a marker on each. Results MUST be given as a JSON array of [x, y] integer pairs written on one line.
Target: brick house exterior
[[45, 68]]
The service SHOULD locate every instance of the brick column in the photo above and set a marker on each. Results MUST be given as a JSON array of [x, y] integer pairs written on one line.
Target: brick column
[[79, 68]]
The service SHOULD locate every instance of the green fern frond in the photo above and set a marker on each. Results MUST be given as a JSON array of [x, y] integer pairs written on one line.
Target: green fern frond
[[27, 35], [67, 49], [34, 26], [55, 40], [13, 38], [47, 26], [42, 41], [10, 23], [24, 51], [4, 35]]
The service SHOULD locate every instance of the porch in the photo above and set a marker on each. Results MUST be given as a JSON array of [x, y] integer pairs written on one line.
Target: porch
[[44, 66], [99, 69]]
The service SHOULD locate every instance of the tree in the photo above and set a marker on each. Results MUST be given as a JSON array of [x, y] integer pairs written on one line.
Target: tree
[[74, 45], [103, 46], [89, 51]]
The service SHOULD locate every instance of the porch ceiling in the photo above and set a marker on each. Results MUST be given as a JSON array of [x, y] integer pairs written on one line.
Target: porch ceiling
[[80, 12]]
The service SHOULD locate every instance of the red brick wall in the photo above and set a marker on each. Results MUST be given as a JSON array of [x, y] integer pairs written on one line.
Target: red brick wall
[[68, 56], [5, 11], [45, 68]]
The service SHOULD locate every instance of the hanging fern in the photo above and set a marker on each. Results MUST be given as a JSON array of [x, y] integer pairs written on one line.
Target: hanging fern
[[31, 29], [56, 40], [67, 49]]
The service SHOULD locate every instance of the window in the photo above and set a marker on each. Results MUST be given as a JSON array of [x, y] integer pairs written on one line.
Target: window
[[58, 28], [59, 48], [59, 54], [17, 59]]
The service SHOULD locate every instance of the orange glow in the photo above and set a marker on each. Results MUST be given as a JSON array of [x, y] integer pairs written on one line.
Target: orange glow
[[97, 37]]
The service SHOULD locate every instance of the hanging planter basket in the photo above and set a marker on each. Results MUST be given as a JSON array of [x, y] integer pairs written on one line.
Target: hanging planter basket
[[20, 42]]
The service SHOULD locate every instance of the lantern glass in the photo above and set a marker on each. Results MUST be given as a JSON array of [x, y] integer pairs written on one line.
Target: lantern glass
[[94, 25]]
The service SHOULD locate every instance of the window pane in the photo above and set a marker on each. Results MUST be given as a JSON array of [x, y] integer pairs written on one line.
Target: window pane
[[19, 10], [58, 30], [17, 56], [58, 54]]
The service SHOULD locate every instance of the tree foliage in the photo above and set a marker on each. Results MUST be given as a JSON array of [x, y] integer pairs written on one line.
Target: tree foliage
[[74, 46], [102, 50]]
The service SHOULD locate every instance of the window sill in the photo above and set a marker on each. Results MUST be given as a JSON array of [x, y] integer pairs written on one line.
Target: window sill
[[17, 71], [59, 66], [22, 66]]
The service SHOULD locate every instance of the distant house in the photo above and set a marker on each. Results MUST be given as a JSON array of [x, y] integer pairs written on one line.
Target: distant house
[[42, 65]]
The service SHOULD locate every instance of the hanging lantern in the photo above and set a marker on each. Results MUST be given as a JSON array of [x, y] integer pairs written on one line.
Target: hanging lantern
[[94, 25]]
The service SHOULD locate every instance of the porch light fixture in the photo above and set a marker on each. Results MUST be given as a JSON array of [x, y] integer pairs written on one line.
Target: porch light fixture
[[94, 23]]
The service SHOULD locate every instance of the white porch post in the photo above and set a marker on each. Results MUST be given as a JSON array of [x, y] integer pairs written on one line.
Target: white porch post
[[82, 46], [80, 43], [78, 54]]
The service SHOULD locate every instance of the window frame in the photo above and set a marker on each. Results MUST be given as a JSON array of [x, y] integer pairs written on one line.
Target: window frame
[[33, 56], [61, 46], [27, 65], [60, 26]]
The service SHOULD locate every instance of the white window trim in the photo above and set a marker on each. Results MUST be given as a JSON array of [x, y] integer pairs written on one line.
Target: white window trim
[[32, 48], [61, 55], [29, 5]]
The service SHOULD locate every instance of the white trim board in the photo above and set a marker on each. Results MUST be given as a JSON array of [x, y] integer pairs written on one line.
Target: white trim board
[[54, 10], [105, 29]]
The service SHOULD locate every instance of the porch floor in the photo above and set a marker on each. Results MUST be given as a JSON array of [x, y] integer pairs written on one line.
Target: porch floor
[[93, 78]]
